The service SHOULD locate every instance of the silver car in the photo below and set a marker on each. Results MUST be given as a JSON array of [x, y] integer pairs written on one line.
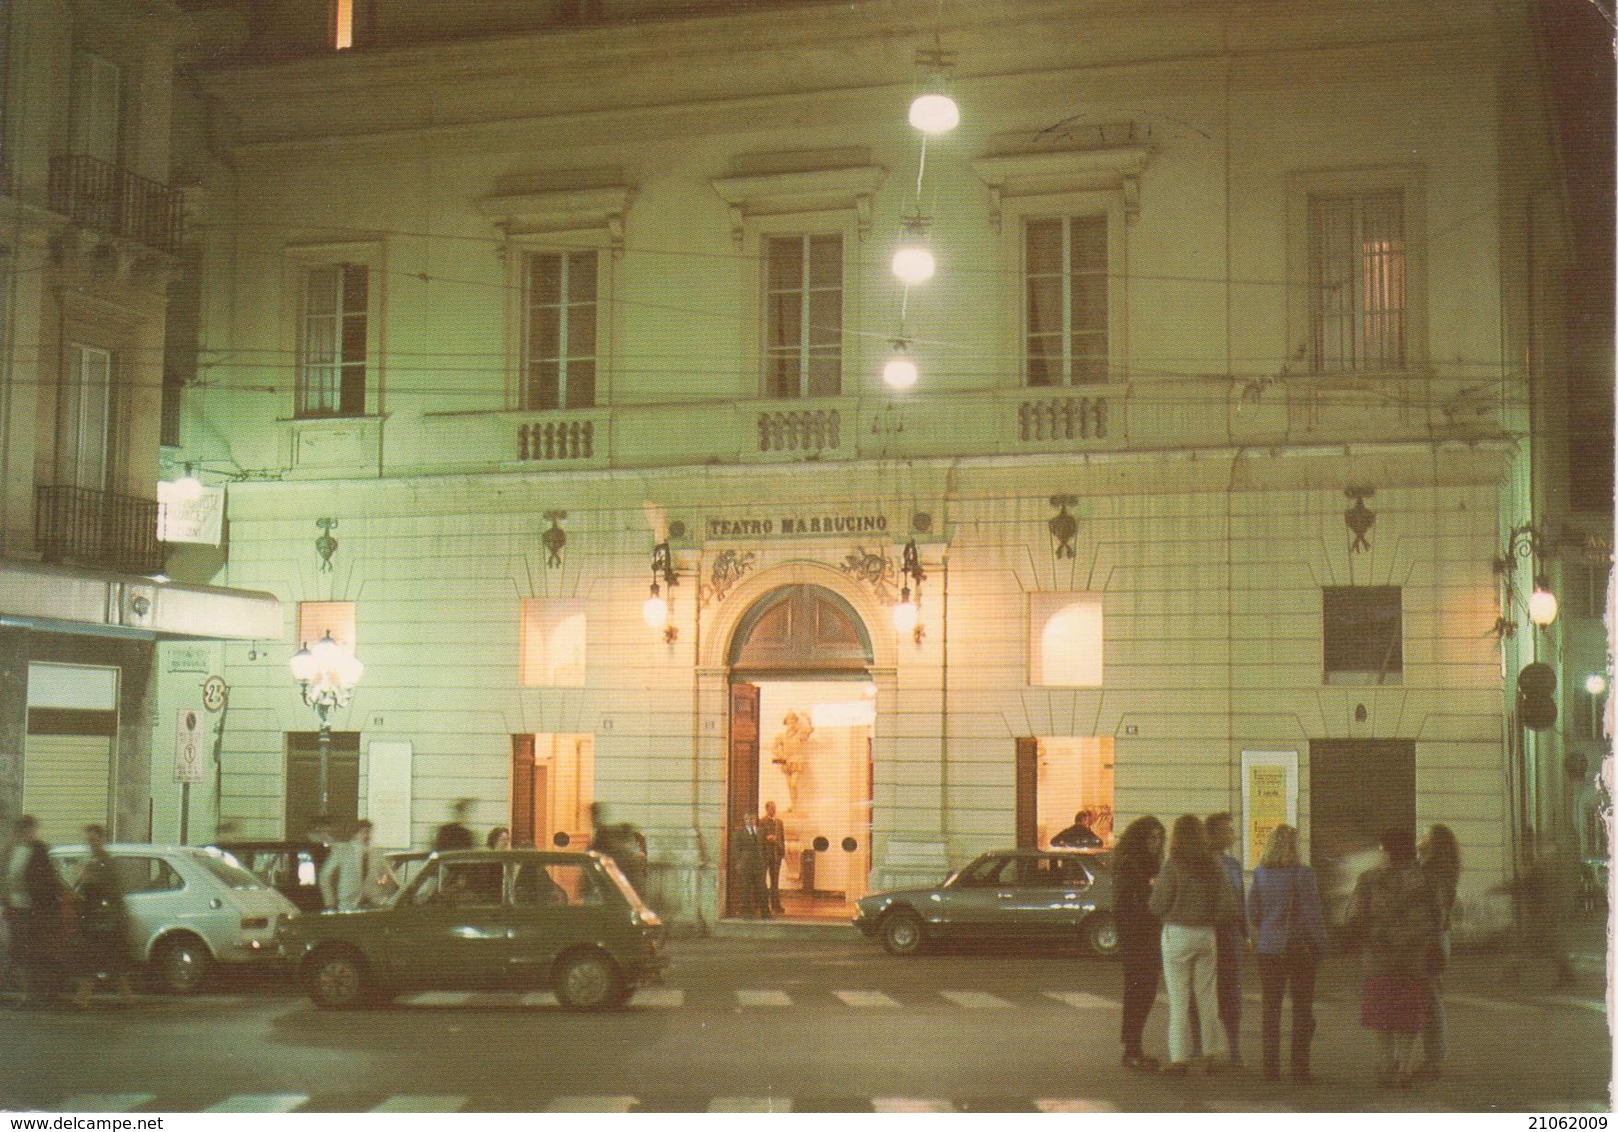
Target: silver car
[[1052, 896], [188, 909]]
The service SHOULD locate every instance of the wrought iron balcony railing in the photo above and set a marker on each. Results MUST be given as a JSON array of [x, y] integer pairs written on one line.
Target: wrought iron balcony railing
[[114, 200], [97, 528]]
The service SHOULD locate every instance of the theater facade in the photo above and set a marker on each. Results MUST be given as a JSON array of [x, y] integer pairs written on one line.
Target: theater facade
[[560, 405]]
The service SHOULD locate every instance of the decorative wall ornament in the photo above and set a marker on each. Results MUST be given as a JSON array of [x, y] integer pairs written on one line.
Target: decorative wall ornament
[[554, 539], [875, 569], [1359, 517], [1064, 528], [325, 545], [729, 567]]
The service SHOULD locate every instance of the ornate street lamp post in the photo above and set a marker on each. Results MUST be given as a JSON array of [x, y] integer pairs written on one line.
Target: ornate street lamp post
[[327, 674]]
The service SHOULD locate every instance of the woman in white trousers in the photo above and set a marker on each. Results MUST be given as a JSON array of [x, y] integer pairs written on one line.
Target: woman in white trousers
[[1191, 895]]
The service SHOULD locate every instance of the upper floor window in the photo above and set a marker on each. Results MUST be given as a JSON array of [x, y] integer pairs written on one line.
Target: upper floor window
[[803, 316], [318, 618], [551, 645], [1357, 281], [1065, 285], [332, 357], [97, 113], [1363, 632], [1065, 640], [559, 334], [85, 419]]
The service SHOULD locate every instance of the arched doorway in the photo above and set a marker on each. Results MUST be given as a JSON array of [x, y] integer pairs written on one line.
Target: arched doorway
[[801, 722]]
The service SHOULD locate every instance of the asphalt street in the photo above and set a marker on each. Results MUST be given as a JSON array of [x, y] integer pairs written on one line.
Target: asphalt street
[[825, 1023]]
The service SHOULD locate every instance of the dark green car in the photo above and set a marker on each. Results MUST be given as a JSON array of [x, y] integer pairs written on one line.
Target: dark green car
[[515, 919]]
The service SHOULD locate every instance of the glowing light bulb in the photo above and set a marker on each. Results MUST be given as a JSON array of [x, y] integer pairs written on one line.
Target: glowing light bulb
[[905, 613], [935, 114], [656, 611], [900, 371], [1595, 683], [1541, 605], [914, 264]]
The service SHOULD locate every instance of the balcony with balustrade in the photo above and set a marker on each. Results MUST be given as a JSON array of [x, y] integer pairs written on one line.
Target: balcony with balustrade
[[103, 530], [116, 202]]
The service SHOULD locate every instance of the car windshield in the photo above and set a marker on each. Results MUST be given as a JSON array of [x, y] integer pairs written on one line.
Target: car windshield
[[610, 867], [225, 869]]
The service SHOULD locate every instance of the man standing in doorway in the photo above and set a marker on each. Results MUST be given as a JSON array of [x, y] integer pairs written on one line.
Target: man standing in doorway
[[747, 864], [772, 834]]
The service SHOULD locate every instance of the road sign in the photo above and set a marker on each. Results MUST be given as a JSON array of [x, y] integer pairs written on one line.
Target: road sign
[[188, 746], [213, 693]]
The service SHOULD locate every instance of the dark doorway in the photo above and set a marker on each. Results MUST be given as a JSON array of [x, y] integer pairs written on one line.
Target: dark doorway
[[303, 781], [1357, 788]]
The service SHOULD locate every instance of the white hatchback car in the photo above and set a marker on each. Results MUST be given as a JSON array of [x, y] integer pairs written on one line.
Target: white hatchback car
[[189, 909]]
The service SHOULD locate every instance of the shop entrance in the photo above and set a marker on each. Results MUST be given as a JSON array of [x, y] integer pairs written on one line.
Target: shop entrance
[[803, 711], [552, 786], [1059, 780]]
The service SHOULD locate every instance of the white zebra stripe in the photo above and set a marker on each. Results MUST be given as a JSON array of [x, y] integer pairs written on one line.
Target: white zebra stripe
[[910, 1104], [260, 1102], [763, 998], [537, 998], [105, 1102], [1075, 1104], [438, 998], [1081, 1000], [660, 997], [592, 1104], [421, 1104], [976, 1000], [750, 1104], [865, 998]]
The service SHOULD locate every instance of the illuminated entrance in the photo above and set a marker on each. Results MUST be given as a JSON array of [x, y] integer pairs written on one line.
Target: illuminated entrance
[[802, 715]]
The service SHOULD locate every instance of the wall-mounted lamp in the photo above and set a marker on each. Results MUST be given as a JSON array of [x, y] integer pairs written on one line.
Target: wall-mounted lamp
[[906, 615], [933, 111], [188, 487], [656, 609], [1525, 543], [900, 370]]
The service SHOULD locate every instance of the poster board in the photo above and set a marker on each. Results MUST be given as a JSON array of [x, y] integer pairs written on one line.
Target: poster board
[[387, 793], [1269, 798]]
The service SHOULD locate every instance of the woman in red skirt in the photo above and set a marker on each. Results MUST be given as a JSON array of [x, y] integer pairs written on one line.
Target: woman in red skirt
[[1395, 917]]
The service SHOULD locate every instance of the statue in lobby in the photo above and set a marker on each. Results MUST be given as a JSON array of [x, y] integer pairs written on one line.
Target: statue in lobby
[[789, 751]]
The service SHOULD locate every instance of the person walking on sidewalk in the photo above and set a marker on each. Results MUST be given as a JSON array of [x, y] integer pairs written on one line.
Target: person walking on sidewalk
[[1136, 860], [34, 907], [1284, 909], [1393, 917], [103, 944], [1191, 896], [1440, 857]]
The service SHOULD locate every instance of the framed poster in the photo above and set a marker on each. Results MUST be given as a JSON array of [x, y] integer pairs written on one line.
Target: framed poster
[[1269, 798]]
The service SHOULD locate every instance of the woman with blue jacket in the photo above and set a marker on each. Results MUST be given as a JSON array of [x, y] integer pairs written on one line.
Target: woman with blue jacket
[[1283, 907]]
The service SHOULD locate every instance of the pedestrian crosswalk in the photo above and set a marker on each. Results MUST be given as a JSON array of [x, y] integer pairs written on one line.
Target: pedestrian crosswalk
[[873, 999], [1196, 1094]]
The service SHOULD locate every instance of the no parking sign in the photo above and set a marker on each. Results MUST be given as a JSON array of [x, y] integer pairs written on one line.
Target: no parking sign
[[188, 747]]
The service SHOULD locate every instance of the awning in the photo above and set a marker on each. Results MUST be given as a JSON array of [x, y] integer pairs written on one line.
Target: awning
[[67, 600]]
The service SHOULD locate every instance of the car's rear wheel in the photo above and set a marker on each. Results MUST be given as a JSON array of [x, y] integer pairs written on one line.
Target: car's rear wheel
[[181, 964], [337, 979], [1100, 932], [589, 981], [902, 933]]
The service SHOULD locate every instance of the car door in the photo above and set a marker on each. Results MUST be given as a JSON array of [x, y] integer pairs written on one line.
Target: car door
[[1039, 903], [555, 903], [157, 900], [979, 901], [450, 930]]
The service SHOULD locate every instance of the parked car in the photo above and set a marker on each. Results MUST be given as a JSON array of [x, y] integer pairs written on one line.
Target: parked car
[[189, 909], [1019, 895], [292, 868], [488, 919]]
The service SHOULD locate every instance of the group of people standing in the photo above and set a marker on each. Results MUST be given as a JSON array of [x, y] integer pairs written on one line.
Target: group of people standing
[[757, 848], [1185, 919], [47, 945]]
